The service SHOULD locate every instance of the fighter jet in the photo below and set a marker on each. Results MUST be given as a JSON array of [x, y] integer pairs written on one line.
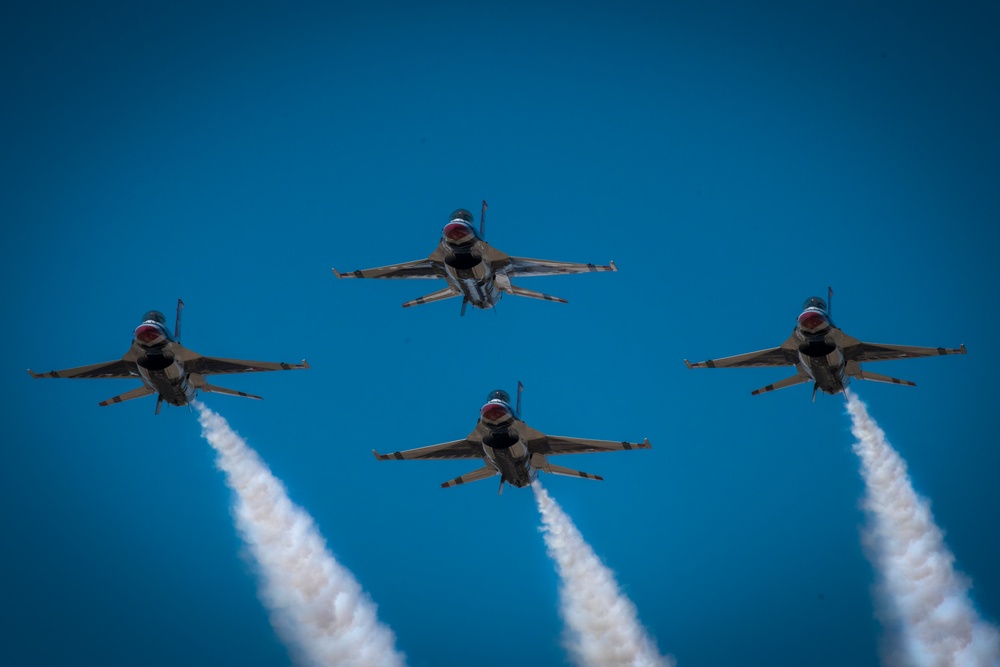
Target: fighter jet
[[474, 270], [509, 447], [166, 368], [824, 355]]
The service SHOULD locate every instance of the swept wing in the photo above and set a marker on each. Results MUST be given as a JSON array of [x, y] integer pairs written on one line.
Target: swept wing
[[421, 268], [196, 363], [525, 266], [119, 368], [553, 445], [863, 352], [466, 448], [786, 355]]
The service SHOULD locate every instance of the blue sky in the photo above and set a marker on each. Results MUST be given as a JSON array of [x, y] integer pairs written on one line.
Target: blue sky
[[731, 160]]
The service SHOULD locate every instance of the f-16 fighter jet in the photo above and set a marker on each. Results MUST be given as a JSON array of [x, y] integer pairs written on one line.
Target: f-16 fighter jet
[[165, 367], [474, 270], [824, 355], [509, 447]]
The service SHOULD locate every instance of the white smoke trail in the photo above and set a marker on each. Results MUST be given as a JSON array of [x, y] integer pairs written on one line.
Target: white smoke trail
[[316, 605], [925, 601], [602, 628]]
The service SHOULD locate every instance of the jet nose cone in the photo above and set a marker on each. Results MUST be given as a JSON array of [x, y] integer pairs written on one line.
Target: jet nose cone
[[149, 334], [812, 320], [495, 412], [458, 233]]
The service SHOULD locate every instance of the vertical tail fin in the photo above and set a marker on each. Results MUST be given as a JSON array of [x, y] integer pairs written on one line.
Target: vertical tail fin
[[177, 324], [829, 301], [482, 221], [520, 390]]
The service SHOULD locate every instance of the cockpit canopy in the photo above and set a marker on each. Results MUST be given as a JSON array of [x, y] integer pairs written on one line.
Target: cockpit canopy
[[461, 214], [500, 395], [814, 302], [155, 316]]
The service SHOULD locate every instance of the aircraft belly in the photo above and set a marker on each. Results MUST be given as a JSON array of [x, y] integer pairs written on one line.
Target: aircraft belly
[[514, 463], [477, 283], [170, 383], [827, 371]]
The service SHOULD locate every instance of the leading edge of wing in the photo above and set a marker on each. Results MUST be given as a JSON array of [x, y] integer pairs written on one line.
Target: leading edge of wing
[[418, 269]]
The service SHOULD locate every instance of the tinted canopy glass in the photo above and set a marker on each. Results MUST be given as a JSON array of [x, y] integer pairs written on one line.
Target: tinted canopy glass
[[155, 316], [499, 394], [814, 302]]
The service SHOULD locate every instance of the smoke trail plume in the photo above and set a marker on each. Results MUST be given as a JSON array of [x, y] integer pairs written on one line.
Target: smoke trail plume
[[316, 605], [925, 601], [602, 629]]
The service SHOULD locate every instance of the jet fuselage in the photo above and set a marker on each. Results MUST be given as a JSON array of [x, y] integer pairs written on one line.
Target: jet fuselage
[[465, 264], [819, 355], [503, 444], [157, 363]]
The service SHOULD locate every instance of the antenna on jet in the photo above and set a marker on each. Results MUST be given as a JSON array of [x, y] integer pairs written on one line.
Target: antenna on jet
[[829, 301], [177, 325], [482, 221]]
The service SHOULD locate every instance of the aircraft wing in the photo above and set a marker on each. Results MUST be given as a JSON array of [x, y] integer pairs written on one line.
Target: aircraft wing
[[863, 352], [557, 444], [105, 370], [524, 266], [421, 268], [195, 363], [456, 449], [786, 355]]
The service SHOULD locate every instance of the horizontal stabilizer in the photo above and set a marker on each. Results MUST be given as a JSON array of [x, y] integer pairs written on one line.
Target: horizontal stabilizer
[[787, 382], [211, 388], [440, 295], [482, 473], [520, 291], [568, 472], [875, 377], [542, 463], [129, 395]]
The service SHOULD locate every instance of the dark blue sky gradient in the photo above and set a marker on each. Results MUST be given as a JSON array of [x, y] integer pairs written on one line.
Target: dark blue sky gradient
[[733, 160]]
